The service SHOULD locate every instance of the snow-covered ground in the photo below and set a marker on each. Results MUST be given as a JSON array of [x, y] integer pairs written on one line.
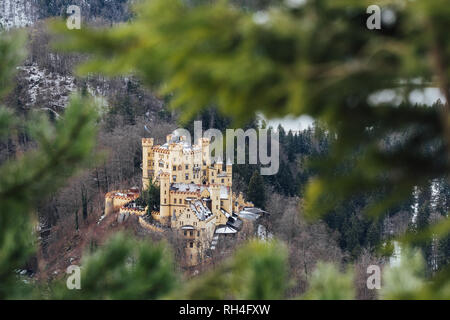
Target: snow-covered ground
[[51, 90], [395, 259], [17, 13], [47, 86]]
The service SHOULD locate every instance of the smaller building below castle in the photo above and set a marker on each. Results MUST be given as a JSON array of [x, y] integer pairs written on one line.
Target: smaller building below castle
[[196, 197]]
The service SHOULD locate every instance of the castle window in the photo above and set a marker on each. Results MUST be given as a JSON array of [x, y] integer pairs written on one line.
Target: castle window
[[191, 234], [175, 200], [174, 178], [198, 233], [187, 167], [174, 168], [164, 201], [185, 232], [187, 176], [212, 181], [191, 244], [223, 180]]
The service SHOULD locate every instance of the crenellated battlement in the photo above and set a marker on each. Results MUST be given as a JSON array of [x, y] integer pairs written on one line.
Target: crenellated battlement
[[196, 195]]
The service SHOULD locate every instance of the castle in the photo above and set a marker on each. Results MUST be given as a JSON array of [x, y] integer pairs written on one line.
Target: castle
[[196, 197]]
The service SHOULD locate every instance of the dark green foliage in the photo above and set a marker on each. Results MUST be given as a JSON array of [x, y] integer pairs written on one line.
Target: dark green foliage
[[250, 62], [374, 234], [256, 271], [25, 181], [11, 53], [62, 149], [154, 199], [443, 253], [123, 269], [256, 192], [317, 59], [423, 221], [151, 198]]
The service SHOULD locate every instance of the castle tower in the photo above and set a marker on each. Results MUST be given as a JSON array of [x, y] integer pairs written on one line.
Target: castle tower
[[229, 170], [109, 205], [206, 156], [215, 199], [147, 162], [164, 211], [218, 166]]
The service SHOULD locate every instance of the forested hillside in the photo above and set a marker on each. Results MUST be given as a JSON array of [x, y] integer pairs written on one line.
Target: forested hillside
[[68, 219]]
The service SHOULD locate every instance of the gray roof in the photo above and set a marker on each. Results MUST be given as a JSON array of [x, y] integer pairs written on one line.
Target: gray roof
[[250, 213], [200, 209], [223, 229], [234, 223]]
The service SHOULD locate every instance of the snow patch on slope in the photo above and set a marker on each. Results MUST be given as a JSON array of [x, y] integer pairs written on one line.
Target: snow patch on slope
[[17, 13], [51, 90], [50, 87]]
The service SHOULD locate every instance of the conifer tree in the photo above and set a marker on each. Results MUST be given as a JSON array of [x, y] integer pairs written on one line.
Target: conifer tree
[[256, 191], [62, 149], [315, 58], [154, 198]]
